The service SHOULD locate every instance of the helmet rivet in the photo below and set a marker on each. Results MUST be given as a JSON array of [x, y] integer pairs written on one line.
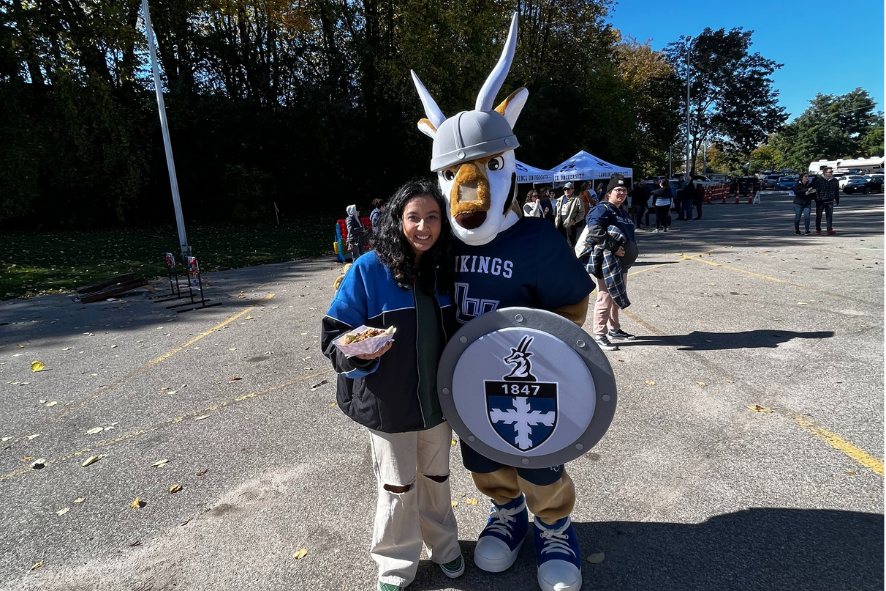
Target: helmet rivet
[[507, 141], [461, 155]]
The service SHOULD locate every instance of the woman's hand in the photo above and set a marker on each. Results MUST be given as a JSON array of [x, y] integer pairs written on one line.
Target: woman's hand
[[378, 353], [620, 252]]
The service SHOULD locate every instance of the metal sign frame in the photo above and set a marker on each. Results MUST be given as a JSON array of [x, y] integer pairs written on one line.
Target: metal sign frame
[[574, 337]]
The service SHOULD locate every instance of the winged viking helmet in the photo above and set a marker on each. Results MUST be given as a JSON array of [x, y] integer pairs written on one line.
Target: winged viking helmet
[[473, 154]]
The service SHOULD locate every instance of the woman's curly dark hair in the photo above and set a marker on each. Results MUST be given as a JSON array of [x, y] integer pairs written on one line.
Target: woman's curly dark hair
[[395, 252]]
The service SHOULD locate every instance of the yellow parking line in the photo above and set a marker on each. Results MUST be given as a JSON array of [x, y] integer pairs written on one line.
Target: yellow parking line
[[71, 407], [832, 439], [173, 421], [838, 443]]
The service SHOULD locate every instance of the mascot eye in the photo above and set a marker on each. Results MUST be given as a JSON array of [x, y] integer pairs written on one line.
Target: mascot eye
[[448, 175], [496, 163]]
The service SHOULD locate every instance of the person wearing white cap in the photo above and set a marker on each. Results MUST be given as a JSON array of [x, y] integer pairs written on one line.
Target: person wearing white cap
[[569, 211]]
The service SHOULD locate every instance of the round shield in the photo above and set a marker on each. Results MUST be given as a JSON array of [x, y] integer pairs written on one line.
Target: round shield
[[526, 388]]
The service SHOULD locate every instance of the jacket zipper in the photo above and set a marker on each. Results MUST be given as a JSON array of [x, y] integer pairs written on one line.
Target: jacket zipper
[[417, 365]]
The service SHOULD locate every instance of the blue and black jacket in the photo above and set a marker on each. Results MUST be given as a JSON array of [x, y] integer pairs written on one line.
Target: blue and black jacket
[[382, 393]]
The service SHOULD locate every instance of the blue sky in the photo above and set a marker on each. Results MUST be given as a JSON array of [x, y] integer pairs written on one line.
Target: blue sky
[[823, 48]]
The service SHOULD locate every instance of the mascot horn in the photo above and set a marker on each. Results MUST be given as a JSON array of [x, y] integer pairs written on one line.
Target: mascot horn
[[473, 154]]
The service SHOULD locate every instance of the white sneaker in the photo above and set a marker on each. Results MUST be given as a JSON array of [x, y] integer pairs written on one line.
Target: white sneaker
[[605, 344]]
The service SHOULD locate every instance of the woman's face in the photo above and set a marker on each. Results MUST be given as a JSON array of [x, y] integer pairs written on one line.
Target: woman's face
[[617, 196], [422, 221]]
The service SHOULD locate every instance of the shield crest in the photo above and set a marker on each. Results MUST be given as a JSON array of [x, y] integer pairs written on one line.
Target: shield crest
[[522, 410]]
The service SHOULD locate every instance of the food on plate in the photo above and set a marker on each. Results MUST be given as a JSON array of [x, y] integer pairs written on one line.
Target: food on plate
[[369, 333]]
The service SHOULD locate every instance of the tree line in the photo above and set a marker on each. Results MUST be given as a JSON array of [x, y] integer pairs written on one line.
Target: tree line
[[308, 104]]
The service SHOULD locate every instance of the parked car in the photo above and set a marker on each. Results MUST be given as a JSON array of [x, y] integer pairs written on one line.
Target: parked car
[[867, 185], [786, 183], [770, 181], [851, 182]]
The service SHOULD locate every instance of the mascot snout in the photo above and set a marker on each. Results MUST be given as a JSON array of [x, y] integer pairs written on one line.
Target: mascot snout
[[469, 198]]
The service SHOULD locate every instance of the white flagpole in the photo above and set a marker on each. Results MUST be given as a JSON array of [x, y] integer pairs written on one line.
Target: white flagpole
[[173, 182]]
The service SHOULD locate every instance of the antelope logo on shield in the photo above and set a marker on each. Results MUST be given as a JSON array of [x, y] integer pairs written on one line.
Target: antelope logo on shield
[[522, 410]]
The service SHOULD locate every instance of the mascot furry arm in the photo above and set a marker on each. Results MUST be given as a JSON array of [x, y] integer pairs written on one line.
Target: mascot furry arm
[[473, 156]]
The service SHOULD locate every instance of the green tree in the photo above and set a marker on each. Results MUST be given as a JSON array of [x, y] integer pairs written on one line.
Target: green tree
[[831, 127], [732, 99]]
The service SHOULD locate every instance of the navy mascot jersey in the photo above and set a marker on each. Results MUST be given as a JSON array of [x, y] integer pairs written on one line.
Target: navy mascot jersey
[[528, 265]]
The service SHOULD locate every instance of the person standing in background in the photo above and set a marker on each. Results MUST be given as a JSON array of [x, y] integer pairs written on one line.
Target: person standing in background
[[532, 208], [375, 216], [547, 208], [662, 199], [827, 193], [568, 210], [803, 194], [357, 238], [638, 196], [698, 200]]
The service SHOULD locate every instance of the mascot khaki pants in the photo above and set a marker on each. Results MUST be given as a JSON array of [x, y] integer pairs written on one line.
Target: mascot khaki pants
[[550, 492], [414, 502]]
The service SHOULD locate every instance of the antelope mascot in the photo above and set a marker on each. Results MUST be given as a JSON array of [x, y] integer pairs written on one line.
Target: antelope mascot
[[506, 260]]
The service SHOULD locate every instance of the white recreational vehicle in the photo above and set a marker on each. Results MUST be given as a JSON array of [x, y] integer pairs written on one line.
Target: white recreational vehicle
[[864, 165]]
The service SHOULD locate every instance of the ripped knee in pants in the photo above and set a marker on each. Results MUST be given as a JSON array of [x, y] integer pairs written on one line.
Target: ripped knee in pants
[[399, 490], [438, 478]]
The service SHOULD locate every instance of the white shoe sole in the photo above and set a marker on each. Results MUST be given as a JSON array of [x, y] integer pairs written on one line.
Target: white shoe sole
[[560, 585], [456, 574], [496, 565]]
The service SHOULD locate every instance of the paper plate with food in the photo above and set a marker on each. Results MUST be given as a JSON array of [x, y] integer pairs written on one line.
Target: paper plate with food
[[364, 340]]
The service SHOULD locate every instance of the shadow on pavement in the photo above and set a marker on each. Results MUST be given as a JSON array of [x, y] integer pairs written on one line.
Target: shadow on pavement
[[713, 341], [768, 549]]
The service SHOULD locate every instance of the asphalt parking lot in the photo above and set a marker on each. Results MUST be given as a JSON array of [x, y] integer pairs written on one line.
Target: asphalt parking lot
[[746, 452]]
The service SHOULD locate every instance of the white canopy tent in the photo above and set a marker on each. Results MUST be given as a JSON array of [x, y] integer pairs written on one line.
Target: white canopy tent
[[529, 174], [584, 166]]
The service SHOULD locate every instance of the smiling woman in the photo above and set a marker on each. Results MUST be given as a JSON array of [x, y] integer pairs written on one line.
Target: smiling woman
[[403, 285]]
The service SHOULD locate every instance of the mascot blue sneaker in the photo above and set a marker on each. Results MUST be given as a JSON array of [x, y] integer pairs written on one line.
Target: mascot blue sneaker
[[501, 539], [557, 555]]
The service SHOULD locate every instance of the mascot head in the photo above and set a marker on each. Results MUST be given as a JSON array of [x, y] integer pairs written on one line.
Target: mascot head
[[473, 154]]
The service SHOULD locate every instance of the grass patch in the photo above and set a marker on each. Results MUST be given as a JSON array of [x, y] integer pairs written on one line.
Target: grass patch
[[50, 262]]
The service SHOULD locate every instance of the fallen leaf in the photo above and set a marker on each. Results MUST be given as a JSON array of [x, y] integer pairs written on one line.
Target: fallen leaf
[[51, 404], [175, 488], [135, 543], [27, 458], [300, 554], [758, 408], [249, 318], [596, 558], [95, 430], [702, 384], [67, 348], [801, 303], [37, 366], [21, 347], [38, 564], [232, 349], [138, 503], [454, 442], [655, 306], [171, 391], [79, 500], [159, 464], [92, 459], [201, 417], [454, 504], [235, 378], [650, 383], [729, 382], [315, 386], [471, 501], [334, 404], [202, 472], [34, 436], [620, 360], [851, 473], [42, 402], [63, 511]]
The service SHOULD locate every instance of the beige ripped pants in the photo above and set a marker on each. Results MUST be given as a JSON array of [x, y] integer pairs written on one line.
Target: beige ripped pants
[[412, 464]]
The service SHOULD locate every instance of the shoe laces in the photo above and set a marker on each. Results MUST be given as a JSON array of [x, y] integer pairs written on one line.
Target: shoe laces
[[504, 518], [555, 540]]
